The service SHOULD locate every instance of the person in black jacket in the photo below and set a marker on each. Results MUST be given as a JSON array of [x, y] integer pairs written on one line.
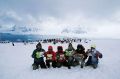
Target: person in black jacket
[[80, 55], [38, 55]]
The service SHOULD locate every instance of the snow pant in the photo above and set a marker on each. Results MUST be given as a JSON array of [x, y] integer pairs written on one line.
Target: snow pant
[[93, 63], [60, 64], [50, 61], [38, 62], [89, 61], [69, 61], [79, 60]]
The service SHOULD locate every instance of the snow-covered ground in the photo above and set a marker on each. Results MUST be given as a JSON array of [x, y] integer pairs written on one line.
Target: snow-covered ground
[[15, 63]]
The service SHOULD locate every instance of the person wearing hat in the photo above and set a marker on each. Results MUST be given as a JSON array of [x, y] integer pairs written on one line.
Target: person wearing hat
[[69, 55], [60, 57], [94, 56], [50, 57], [80, 55], [38, 55]]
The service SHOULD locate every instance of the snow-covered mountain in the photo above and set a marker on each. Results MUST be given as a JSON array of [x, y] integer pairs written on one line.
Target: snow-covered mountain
[[25, 29], [15, 29], [74, 30], [20, 29]]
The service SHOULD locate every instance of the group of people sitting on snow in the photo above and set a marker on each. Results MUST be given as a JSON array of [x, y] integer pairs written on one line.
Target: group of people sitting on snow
[[69, 57]]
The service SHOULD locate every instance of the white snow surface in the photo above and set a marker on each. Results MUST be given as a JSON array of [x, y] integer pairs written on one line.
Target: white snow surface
[[16, 61]]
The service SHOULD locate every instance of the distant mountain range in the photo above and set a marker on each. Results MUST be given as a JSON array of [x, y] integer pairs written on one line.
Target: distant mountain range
[[34, 30], [25, 29], [74, 30], [19, 29], [17, 33]]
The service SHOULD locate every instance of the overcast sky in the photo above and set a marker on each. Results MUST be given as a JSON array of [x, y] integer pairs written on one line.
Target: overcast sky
[[100, 17]]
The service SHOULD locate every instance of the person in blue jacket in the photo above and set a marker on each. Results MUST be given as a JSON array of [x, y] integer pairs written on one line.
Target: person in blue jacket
[[94, 56]]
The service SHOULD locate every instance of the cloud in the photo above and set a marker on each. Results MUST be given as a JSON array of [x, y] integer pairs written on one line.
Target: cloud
[[60, 8], [9, 17], [97, 17]]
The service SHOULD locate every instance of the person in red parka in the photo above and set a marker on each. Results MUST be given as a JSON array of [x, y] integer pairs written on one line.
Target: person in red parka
[[60, 56], [50, 57]]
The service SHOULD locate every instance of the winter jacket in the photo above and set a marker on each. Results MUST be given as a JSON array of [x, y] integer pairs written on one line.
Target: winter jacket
[[50, 55], [60, 56], [69, 52], [80, 52], [95, 55], [38, 55]]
